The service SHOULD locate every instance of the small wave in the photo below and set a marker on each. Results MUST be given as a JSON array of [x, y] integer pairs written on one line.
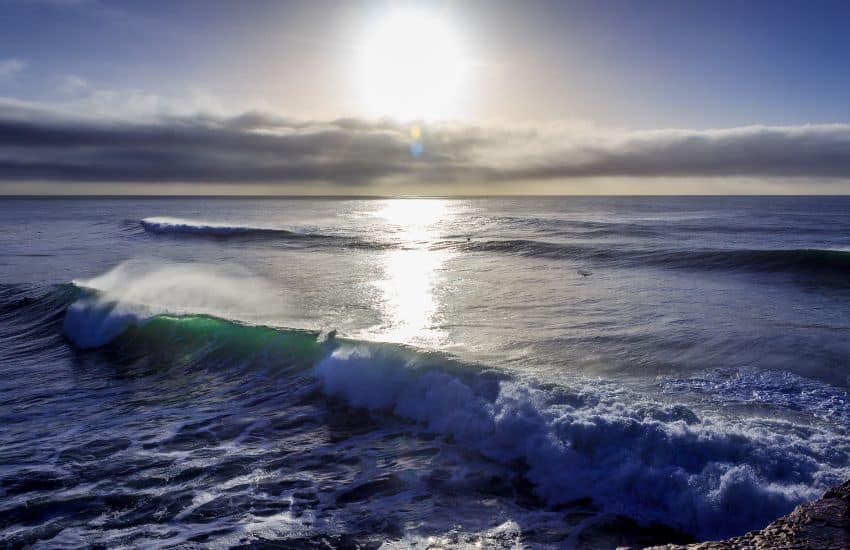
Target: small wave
[[179, 226], [520, 247], [29, 317], [176, 227], [650, 462], [827, 262], [808, 260]]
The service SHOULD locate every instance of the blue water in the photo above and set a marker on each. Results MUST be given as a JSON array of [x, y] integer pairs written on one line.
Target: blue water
[[542, 372]]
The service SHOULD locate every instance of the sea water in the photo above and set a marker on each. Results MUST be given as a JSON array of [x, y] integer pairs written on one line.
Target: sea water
[[534, 372]]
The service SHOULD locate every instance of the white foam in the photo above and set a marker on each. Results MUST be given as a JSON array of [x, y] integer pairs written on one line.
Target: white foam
[[165, 224], [711, 477], [90, 323], [753, 386]]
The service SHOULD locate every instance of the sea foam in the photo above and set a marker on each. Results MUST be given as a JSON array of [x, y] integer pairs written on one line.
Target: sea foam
[[708, 476], [164, 224]]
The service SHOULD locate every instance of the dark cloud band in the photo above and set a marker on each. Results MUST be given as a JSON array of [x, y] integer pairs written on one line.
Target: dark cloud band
[[258, 148]]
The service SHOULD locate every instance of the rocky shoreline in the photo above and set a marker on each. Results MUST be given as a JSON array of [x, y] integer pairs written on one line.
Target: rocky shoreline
[[822, 524]]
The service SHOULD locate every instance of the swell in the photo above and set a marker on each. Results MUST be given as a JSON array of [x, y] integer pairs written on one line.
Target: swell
[[29, 317], [809, 261], [654, 463], [648, 228], [179, 226], [189, 229], [825, 263], [806, 260]]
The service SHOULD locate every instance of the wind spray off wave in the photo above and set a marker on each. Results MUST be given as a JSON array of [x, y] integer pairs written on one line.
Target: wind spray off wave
[[135, 291]]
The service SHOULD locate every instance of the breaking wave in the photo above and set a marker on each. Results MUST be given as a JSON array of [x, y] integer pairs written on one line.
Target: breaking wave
[[137, 290], [651, 462], [179, 226]]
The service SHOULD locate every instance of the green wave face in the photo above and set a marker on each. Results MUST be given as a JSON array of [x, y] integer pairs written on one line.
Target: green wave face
[[197, 338]]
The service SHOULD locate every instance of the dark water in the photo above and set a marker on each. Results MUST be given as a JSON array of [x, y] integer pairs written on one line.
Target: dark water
[[560, 372]]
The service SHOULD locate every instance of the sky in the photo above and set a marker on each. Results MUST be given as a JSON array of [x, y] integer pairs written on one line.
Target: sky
[[424, 98]]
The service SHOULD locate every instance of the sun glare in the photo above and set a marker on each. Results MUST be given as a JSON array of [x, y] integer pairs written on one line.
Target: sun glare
[[412, 66], [411, 273]]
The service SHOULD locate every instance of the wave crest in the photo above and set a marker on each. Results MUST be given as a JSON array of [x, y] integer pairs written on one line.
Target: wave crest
[[825, 262], [179, 226], [649, 462], [135, 291]]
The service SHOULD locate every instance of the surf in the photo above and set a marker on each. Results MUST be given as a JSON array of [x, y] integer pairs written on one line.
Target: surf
[[651, 462]]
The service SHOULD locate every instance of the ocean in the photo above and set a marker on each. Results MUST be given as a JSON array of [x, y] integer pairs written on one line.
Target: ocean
[[560, 372]]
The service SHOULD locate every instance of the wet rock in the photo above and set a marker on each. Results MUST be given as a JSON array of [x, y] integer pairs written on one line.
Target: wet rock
[[819, 525]]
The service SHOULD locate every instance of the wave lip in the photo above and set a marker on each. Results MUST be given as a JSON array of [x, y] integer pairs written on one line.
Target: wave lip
[[180, 226], [137, 290]]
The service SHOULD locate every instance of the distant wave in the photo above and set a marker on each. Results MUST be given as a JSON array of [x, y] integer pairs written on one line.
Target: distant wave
[[831, 262], [812, 261], [522, 247], [179, 226], [652, 462], [659, 227]]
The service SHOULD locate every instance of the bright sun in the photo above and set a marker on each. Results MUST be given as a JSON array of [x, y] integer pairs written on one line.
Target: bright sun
[[412, 66]]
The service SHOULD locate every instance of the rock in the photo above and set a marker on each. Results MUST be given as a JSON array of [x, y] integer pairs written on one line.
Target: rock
[[822, 524]]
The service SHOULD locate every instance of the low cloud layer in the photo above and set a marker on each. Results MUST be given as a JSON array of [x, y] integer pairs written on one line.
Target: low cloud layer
[[48, 146]]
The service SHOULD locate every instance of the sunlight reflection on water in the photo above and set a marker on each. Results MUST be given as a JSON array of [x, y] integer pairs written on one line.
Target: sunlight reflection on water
[[413, 273]]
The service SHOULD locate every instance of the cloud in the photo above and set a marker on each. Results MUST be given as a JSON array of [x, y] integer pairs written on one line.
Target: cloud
[[80, 97], [9, 68], [259, 148], [74, 85]]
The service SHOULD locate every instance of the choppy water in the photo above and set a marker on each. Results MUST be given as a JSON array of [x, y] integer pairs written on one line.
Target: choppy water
[[560, 372]]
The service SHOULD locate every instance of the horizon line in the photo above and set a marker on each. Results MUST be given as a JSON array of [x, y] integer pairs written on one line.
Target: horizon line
[[6, 196]]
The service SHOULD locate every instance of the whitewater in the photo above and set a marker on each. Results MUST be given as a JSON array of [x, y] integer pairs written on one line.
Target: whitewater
[[553, 373]]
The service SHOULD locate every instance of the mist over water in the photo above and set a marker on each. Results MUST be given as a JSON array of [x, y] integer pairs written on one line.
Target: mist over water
[[556, 372]]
